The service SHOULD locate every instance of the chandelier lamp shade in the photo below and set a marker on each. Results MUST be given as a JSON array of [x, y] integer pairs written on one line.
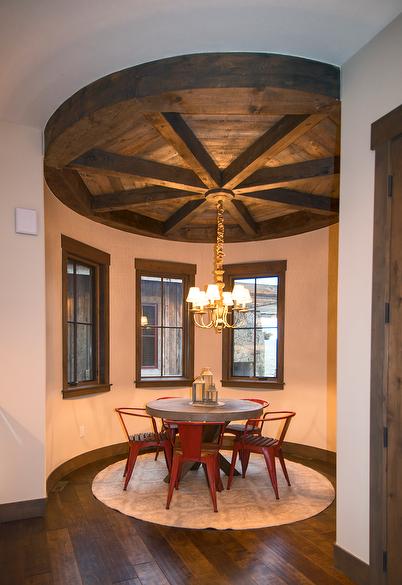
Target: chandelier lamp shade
[[214, 307]]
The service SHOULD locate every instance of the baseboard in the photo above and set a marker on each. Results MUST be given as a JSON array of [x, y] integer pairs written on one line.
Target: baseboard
[[354, 568], [83, 459], [22, 510], [308, 452]]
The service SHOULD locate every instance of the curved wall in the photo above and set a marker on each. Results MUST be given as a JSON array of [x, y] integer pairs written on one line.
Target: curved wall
[[309, 331]]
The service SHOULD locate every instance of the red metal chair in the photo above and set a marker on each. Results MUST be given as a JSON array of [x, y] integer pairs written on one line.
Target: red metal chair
[[189, 446], [249, 442], [139, 441], [238, 428], [172, 427]]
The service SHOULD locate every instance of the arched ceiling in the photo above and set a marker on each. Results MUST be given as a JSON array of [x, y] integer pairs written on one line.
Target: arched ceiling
[[52, 48]]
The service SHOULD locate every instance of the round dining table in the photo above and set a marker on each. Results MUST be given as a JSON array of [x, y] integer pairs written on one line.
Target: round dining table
[[182, 409], [227, 410]]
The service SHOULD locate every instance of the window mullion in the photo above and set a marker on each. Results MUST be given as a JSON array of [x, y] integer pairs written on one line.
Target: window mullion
[[255, 328], [162, 323], [75, 322]]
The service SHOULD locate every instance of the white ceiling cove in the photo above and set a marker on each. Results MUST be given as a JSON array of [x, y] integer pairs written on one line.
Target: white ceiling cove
[[51, 48]]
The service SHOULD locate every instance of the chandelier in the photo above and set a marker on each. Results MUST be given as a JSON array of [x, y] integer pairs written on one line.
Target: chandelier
[[215, 307]]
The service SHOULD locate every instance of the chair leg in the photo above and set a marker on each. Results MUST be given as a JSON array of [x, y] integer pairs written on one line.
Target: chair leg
[[211, 465], [173, 479], [269, 456], [157, 453], [218, 482], [132, 457], [232, 466], [125, 468], [168, 451], [244, 458], [178, 478], [282, 462]]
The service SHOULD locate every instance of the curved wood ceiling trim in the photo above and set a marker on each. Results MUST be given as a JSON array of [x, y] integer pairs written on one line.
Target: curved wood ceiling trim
[[159, 162]]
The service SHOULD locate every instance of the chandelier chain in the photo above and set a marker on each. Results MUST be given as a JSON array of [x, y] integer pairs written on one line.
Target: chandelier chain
[[220, 235]]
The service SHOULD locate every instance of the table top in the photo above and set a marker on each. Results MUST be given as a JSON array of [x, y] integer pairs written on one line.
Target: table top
[[181, 409]]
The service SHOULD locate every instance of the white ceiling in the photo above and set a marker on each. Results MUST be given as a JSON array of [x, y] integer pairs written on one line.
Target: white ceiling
[[51, 48]]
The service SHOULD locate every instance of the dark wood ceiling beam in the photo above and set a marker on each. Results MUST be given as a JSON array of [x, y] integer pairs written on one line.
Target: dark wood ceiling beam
[[241, 215], [263, 178], [318, 203], [131, 222], [175, 130], [184, 215], [124, 199], [110, 163], [276, 139]]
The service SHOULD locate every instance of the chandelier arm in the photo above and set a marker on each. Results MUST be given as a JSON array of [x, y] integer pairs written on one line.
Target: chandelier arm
[[200, 322]]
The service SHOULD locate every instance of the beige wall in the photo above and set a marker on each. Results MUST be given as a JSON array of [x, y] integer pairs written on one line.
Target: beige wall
[[305, 342], [371, 87], [22, 319]]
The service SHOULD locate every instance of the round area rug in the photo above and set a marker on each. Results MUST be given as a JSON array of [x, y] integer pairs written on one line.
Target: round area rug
[[250, 503]]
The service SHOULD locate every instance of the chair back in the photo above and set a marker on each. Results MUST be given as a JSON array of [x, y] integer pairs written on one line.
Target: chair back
[[264, 404], [127, 412], [280, 415], [192, 439]]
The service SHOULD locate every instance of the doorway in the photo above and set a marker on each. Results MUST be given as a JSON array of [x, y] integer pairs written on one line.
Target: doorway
[[386, 354]]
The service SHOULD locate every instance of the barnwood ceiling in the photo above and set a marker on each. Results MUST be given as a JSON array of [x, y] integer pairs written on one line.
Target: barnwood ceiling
[[138, 149]]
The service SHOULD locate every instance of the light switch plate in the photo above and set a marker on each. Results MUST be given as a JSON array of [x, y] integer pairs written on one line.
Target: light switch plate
[[26, 221]]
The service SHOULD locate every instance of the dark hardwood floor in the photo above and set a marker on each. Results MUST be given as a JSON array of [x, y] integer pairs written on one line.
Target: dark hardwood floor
[[82, 542]]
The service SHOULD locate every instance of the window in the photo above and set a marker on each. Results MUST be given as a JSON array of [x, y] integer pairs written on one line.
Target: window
[[164, 328], [253, 352], [85, 319]]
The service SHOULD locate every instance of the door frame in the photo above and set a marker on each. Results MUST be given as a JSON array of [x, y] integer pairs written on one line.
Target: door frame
[[383, 131]]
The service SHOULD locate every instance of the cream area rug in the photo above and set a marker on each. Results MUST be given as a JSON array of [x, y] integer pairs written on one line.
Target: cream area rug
[[250, 503]]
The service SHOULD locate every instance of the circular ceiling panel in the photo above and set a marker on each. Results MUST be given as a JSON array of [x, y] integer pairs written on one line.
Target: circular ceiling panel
[[139, 149]]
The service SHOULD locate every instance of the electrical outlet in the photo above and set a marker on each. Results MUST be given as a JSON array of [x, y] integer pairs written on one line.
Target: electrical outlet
[[82, 431]]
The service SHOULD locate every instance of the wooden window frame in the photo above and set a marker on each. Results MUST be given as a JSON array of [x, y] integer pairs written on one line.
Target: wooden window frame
[[146, 267], [78, 251], [256, 270]]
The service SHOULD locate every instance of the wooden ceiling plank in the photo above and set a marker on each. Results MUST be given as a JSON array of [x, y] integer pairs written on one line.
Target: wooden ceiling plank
[[263, 178], [175, 130], [160, 174], [318, 203], [70, 189], [130, 197], [295, 223], [277, 138], [131, 221], [184, 215], [241, 215]]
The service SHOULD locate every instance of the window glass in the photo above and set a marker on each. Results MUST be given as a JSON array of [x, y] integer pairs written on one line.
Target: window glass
[[161, 327]]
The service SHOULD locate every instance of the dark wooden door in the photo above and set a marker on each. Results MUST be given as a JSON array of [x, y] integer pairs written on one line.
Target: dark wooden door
[[386, 379]]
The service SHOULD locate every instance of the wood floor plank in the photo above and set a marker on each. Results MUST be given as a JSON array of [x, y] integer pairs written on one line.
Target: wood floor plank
[[171, 564], [64, 566], [41, 579], [36, 555], [208, 542], [276, 563], [151, 574], [201, 569]]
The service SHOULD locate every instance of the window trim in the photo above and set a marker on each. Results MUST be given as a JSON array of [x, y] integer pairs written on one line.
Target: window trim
[[147, 267], [101, 261], [255, 270]]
